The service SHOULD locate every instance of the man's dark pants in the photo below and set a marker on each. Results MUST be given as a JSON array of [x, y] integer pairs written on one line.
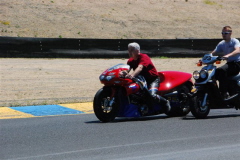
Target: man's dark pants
[[225, 71]]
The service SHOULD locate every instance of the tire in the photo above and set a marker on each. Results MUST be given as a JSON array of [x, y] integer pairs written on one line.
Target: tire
[[236, 102], [235, 89], [102, 110], [197, 110], [184, 108]]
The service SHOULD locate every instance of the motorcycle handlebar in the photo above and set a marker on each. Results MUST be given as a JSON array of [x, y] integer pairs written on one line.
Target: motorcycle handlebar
[[138, 81], [220, 58], [135, 79]]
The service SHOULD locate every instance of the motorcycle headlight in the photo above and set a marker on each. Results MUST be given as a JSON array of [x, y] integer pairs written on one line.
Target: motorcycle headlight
[[109, 78], [101, 77], [196, 75], [203, 74]]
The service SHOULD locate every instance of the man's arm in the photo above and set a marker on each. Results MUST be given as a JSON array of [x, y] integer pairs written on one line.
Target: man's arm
[[213, 52], [233, 53], [135, 72], [217, 49]]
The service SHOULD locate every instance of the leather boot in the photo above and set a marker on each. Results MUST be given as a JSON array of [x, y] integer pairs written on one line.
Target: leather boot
[[165, 103]]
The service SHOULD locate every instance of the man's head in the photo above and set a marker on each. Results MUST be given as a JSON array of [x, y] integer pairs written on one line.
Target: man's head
[[133, 50], [226, 33]]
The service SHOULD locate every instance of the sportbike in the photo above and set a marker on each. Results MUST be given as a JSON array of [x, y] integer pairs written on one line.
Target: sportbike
[[123, 97]]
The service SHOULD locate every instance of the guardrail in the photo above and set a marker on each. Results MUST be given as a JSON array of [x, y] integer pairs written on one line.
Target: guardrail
[[101, 48]]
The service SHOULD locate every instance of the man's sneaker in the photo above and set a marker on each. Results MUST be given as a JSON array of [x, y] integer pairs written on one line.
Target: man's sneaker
[[167, 107], [225, 95]]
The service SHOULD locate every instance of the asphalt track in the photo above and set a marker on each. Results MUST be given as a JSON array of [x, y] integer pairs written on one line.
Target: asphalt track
[[45, 110], [83, 137]]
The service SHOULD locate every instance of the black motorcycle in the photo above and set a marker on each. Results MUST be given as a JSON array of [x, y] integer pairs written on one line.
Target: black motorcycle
[[206, 94]]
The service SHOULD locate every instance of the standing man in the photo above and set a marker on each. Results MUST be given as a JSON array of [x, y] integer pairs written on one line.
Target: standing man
[[230, 47], [142, 65]]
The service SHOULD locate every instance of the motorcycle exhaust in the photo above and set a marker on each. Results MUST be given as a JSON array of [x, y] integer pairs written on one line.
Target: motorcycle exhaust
[[175, 93], [172, 94]]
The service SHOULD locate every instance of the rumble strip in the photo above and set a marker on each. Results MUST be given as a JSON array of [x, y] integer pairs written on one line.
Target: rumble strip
[[45, 110]]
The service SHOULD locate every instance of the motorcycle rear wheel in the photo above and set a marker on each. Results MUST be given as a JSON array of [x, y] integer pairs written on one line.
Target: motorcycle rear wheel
[[103, 111], [184, 108], [197, 110], [235, 89]]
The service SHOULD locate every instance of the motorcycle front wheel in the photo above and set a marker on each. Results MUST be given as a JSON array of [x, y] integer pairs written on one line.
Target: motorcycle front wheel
[[200, 106], [105, 108]]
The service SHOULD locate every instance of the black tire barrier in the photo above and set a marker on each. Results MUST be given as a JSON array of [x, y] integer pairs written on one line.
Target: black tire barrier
[[19, 47]]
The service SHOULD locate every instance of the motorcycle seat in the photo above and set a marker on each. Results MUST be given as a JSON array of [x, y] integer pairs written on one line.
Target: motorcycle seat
[[171, 79], [162, 77]]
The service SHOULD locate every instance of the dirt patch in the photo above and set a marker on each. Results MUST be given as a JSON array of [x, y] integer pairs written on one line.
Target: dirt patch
[[53, 81], [46, 81], [144, 19]]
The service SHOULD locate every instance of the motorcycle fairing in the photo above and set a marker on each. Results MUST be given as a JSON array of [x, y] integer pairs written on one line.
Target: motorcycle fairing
[[111, 75], [132, 110], [126, 109], [132, 88], [171, 79]]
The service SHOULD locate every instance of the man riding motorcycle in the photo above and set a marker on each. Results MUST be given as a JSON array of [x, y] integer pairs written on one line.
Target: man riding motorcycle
[[231, 49], [142, 65]]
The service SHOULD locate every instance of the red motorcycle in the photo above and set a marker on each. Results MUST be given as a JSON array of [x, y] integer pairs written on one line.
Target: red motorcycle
[[123, 97]]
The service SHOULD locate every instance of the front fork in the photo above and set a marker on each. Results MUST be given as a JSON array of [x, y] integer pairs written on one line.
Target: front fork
[[210, 92], [112, 101], [112, 98], [108, 102], [204, 103], [198, 89]]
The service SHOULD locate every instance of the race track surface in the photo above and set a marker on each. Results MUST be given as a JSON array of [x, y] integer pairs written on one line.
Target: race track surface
[[83, 137]]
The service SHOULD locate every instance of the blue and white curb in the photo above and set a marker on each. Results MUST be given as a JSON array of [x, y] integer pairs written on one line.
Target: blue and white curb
[[45, 110]]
